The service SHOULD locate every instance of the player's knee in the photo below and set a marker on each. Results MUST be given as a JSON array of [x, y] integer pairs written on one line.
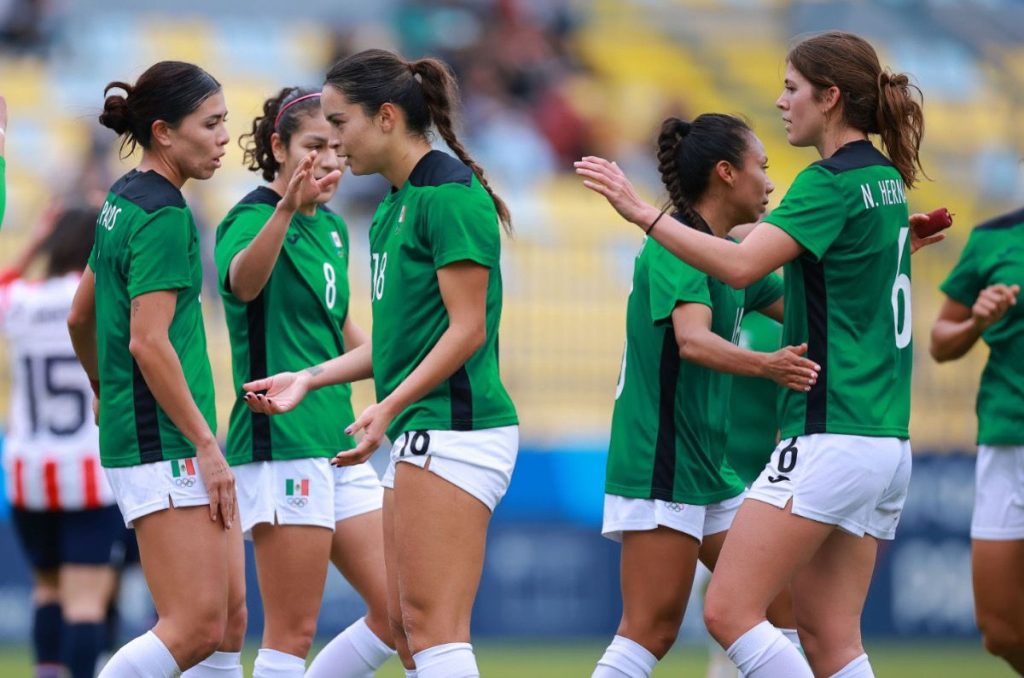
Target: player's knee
[[717, 618]]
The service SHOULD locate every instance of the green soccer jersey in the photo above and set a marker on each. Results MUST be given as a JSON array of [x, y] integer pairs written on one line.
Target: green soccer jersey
[[296, 321], [440, 216], [848, 295], [754, 426], [671, 416], [146, 241], [995, 254]]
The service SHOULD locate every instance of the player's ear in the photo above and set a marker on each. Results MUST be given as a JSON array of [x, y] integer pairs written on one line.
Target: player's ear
[[726, 172], [161, 133]]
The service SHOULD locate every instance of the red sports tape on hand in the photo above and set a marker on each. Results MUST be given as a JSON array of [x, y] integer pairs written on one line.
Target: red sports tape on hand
[[938, 220]]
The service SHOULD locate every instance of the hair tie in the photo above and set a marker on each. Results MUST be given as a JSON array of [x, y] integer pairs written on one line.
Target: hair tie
[[291, 103]]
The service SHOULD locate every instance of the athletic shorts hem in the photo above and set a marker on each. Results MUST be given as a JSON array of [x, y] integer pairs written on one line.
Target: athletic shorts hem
[[845, 524], [997, 533], [157, 506], [615, 530], [361, 509], [482, 495]]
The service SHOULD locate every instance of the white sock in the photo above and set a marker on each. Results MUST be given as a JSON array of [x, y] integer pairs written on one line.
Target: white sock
[[274, 664], [763, 652], [625, 658], [356, 652], [143, 657], [451, 660], [793, 636], [217, 665], [858, 668], [410, 673]]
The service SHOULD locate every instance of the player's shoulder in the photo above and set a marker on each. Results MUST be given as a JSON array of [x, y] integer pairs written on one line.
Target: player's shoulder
[[149, 191], [852, 156], [437, 169], [1001, 223]]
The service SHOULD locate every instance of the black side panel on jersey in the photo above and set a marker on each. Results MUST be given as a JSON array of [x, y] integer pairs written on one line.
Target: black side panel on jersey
[[256, 315], [147, 426], [663, 478], [149, 191], [852, 156], [462, 400], [1005, 221], [437, 168], [261, 196], [817, 342]]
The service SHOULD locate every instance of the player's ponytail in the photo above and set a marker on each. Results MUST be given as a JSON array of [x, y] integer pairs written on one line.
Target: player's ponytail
[[900, 123], [440, 90], [425, 90], [688, 153], [874, 101], [167, 91], [280, 115]]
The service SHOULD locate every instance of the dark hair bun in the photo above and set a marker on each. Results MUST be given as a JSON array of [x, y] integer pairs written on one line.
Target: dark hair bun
[[116, 115]]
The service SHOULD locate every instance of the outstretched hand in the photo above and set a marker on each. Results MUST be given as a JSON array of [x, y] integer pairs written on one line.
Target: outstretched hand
[[304, 187], [373, 422], [606, 178], [276, 394]]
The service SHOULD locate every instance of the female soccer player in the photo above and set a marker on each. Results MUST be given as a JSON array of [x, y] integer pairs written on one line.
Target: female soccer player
[[670, 495], [283, 269], [137, 328], [436, 291], [844, 461], [981, 303], [62, 507]]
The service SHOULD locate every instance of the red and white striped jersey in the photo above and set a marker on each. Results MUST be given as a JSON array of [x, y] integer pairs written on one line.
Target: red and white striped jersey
[[51, 448]]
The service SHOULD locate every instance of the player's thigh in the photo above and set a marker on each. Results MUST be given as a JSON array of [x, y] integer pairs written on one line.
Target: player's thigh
[[185, 559], [291, 564], [997, 569], [765, 547], [656, 572], [828, 599], [357, 550], [440, 532]]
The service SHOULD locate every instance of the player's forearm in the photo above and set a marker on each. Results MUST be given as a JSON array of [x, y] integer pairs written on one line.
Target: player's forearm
[[251, 268], [952, 340], [456, 345], [354, 365], [733, 264], [707, 349], [162, 371], [83, 339]]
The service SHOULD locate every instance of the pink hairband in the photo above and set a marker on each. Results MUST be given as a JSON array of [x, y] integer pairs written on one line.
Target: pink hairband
[[291, 103]]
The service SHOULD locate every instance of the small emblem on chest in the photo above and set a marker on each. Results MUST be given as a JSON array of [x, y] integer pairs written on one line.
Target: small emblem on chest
[[293, 237], [336, 239], [401, 215]]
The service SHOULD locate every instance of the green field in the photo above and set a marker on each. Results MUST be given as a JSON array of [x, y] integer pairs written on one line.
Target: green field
[[956, 660]]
